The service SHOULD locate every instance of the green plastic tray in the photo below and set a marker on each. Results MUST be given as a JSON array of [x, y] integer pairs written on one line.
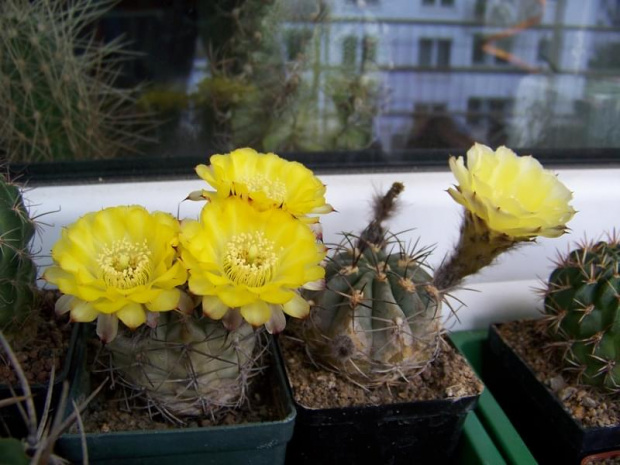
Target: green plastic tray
[[488, 436]]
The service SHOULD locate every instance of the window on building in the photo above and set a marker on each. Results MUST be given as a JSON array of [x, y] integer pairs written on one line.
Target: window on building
[[543, 50], [438, 2], [434, 53], [296, 42], [489, 117], [349, 50], [425, 52], [369, 49]]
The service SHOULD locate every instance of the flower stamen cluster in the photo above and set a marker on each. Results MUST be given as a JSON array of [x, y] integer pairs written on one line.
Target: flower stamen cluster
[[250, 259], [125, 264], [272, 188]]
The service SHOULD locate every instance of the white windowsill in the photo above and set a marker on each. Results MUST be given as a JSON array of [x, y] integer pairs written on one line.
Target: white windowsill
[[500, 293]]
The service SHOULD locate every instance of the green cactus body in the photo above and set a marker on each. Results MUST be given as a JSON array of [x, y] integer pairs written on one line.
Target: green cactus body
[[58, 100], [186, 366], [583, 304], [17, 269], [378, 319]]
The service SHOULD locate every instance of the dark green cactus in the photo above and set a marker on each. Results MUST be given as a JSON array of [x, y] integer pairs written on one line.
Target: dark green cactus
[[17, 269], [582, 302], [379, 318], [187, 366]]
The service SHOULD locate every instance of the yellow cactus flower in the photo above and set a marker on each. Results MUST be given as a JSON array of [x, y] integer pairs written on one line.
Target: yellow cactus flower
[[249, 263], [508, 200], [118, 263], [513, 195], [267, 180]]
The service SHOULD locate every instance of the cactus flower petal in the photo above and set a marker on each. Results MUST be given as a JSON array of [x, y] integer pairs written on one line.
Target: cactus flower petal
[[267, 180], [297, 307], [107, 327], [257, 313], [83, 312], [213, 307], [164, 301], [277, 321], [133, 315]]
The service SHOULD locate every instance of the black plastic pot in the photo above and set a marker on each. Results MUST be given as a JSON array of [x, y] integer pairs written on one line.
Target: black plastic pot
[[12, 423], [550, 432], [404, 433], [261, 443]]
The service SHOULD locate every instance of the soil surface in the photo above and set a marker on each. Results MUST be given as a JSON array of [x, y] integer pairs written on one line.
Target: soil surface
[[449, 376], [588, 405], [43, 343]]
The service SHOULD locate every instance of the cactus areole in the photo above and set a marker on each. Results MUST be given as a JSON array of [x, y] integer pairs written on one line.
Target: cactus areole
[[582, 302]]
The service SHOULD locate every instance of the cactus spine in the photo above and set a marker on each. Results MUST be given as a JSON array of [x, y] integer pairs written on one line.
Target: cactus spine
[[379, 318], [186, 366], [58, 98], [582, 301], [17, 269]]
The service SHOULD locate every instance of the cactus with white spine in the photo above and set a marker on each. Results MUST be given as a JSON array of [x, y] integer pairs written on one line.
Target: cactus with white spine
[[582, 303]]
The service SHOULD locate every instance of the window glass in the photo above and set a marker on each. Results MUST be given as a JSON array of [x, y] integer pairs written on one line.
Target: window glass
[[321, 79]]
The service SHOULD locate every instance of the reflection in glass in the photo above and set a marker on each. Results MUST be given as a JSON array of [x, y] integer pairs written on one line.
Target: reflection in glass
[[389, 76]]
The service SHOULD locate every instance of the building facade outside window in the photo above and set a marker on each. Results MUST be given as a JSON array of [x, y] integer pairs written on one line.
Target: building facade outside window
[[307, 77]]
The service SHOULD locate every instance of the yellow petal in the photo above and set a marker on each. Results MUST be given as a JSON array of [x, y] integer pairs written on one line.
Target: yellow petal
[[257, 313], [213, 307], [133, 315], [297, 307], [167, 299], [83, 312]]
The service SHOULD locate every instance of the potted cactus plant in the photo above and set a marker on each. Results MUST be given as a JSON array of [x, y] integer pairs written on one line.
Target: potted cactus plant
[[378, 321], [566, 364], [42, 342], [180, 306]]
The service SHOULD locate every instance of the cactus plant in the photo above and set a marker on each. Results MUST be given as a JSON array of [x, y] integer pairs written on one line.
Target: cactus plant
[[583, 310], [187, 366], [244, 259], [58, 100], [378, 321], [379, 316], [17, 269]]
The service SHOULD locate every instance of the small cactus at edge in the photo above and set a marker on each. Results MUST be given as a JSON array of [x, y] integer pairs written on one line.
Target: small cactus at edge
[[17, 269], [379, 318], [582, 301]]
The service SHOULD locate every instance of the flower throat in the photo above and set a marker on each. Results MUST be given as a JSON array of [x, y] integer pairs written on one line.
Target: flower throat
[[125, 264]]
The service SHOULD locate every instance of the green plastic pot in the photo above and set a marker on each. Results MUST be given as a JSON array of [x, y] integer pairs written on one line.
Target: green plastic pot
[[251, 443], [488, 437]]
